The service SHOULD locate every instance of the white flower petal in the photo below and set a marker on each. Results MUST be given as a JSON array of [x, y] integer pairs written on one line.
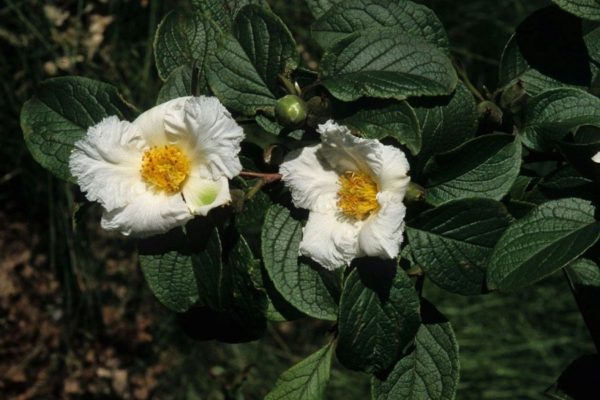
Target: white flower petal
[[346, 152], [313, 184], [159, 125], [596, 158], [202, 195], [213, 134], [381, 234], [330, 241], [394, 171], [148, 214], [106, 163]]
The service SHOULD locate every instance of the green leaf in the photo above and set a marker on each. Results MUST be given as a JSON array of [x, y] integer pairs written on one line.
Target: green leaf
[[320, 7], [306, 380], [300, 284], [178, 84], [397, 121], [226, 284], [453, 242], [552, 114], [171, 278], [214, 282], [243, 71], [223, 12], [547, 239], [184, 37], [358, 15], [379, 316], [236, 82], [486, 166], [584, 273], [60, 113], [268, 43], [587, 9], [430, 371], [445, 122], [584, 279], [385, 63]]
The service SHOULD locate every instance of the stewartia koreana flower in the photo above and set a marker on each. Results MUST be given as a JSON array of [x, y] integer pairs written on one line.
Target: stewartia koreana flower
[[157, 172], [596, 158], [354, 189]]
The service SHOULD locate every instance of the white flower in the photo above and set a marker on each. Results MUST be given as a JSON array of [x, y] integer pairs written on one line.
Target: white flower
[[596, 158], [354, 189], [157, 172]]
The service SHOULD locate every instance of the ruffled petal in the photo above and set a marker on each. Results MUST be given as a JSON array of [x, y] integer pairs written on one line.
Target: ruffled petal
[[394, 171], [329, 240], [106, 163], [346, 152], [159, 125], [148, 214], [596, 158], [213, 136], [312, 182], [202, 195], [381, 234]]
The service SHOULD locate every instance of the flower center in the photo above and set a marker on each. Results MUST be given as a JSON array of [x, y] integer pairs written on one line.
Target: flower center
[[165, 168], [357, 197]]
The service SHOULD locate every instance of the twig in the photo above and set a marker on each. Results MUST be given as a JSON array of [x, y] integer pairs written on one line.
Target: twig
[[465, 78], [267, 177]]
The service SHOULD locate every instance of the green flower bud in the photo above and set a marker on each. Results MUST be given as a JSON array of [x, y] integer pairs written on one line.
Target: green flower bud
[[290, 111]]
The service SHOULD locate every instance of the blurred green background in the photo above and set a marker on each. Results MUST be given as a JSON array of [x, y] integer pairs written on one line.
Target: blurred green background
[[76, 319]]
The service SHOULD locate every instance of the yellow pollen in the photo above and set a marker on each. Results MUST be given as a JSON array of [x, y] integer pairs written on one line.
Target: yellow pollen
[[357, 197], [165, 168]]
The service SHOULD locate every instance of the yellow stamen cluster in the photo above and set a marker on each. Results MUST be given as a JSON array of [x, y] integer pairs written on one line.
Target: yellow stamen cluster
[[165, 168], [357, 197]]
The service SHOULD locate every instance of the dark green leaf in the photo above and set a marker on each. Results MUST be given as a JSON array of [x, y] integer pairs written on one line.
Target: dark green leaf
[[397, 121], [552, 114], [178, 84], [386, 64], [584, 278], [267, 42], [379, 316], [430, 371], [306, 380], [236, 82], [486, 166], [171, 279], [223, 12], [357, 15], [587, 9], [320, 7], [60, 113], [547, 239], [301, 284], [445, 122], [184, 37], [453, 242]]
